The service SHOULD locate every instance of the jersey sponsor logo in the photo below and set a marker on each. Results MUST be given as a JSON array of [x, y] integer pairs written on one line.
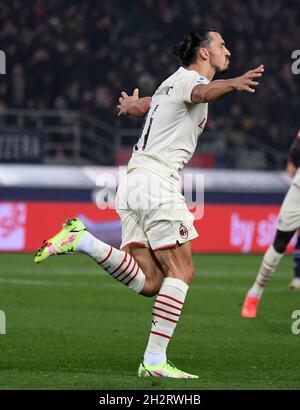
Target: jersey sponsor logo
[[200, 79], [183, 231]]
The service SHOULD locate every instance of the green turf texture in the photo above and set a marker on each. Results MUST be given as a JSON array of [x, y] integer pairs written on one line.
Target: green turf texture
[[71, 326]]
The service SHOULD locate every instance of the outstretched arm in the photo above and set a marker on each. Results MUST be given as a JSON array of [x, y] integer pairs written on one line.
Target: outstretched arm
[[291, 168], [133, 105], [219, 88]]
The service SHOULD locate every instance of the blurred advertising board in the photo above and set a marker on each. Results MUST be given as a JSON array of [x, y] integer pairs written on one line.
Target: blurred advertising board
[[230, 228]]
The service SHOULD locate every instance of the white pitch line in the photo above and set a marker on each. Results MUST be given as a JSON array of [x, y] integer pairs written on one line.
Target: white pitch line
[[65, 272], [116, 285], [101, 272], [43, 282]]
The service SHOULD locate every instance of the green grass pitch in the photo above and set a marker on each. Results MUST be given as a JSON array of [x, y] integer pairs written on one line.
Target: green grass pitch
[[71, 326]]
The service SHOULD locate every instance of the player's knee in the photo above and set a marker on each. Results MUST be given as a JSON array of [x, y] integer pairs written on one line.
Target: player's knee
[[186, 274], [150, 289], [149, 293], [190, 274], [153, 283]]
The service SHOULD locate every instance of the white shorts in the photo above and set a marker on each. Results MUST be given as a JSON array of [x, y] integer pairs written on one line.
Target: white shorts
[[153, 211], [289, 215]]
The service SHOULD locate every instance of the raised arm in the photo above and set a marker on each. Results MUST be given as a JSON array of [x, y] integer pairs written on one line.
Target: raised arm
[[291, 168], [219, 88], [133, 105]]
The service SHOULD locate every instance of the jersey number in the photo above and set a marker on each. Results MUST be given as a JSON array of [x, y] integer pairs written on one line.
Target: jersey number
[[146, 136]]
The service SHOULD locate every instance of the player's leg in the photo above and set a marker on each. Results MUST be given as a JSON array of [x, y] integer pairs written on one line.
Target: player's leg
[[288, 223], [295, 283], [143, 275], [163, 220], [150, 265], [179, 271], [134, 265], [269, 263], [169, 229]]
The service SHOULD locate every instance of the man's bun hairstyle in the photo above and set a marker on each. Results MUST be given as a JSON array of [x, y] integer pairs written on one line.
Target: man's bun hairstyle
[[187, 49]]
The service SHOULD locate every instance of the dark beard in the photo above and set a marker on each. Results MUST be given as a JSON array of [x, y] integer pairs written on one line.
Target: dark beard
[[224, 70]]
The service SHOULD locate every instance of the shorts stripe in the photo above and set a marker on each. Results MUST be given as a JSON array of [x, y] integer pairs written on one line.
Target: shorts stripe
[[165, 247], [135, 243]]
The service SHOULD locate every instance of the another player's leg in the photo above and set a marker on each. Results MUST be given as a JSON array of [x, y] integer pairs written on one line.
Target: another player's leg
[[295, 283], [134, 266], [269, 263], [179, 271]]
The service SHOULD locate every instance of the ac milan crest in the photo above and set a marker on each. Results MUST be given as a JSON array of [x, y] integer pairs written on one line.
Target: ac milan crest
[[183, 231]]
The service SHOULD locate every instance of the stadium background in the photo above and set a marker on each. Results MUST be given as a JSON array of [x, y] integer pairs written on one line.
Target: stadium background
[[66, 63]]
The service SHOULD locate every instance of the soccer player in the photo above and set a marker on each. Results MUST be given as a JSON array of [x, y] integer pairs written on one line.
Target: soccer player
[[157, 228], [295, 283], [288, 223]]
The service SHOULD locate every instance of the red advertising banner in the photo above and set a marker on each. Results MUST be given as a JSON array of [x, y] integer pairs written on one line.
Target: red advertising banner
[[237, 228], [223, 228]]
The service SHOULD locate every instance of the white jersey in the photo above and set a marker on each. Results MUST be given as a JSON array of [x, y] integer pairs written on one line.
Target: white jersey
[[173, 124]]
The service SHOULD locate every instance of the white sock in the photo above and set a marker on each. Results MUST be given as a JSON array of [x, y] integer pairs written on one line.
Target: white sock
[[165, 315], [269, 263], [153, 359], [119, 264]]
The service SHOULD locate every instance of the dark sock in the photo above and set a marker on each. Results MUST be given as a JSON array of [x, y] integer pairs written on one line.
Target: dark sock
[[296, 256]]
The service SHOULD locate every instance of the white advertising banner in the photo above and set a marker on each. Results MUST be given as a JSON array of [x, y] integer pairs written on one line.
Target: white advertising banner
[[12, 226]]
